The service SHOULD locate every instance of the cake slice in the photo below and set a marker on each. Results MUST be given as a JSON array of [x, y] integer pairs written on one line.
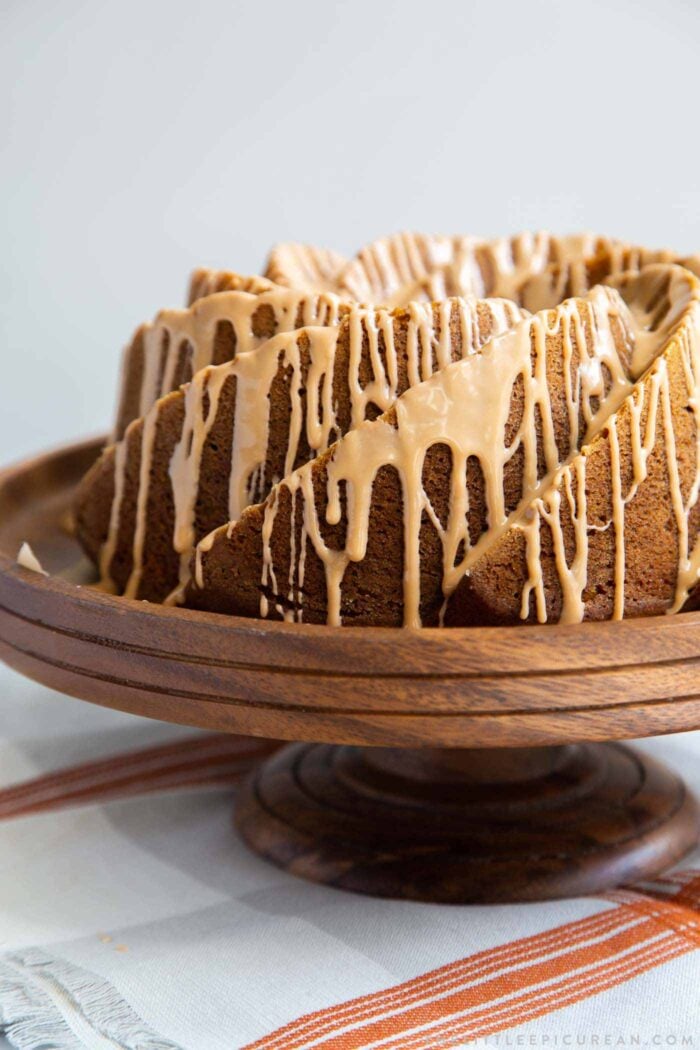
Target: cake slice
[[178, 343], [203, 453], [618, 532], [381, 528]]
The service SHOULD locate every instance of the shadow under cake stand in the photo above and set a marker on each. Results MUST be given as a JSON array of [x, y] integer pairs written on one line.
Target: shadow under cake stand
[[449, 765]]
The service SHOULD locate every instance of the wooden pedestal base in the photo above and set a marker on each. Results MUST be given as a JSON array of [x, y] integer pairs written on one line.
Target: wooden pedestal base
[[468, 826]]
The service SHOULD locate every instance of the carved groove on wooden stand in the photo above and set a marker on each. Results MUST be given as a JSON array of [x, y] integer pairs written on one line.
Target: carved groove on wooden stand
[[524, 825]]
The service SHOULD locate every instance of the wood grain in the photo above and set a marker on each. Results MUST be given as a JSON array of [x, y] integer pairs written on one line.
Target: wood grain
[[467, 826]]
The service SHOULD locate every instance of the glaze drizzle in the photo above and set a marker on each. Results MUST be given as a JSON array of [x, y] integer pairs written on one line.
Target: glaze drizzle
[[466, 406]]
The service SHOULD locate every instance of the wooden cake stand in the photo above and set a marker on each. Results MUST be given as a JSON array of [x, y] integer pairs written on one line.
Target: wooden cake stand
[[439, 765]]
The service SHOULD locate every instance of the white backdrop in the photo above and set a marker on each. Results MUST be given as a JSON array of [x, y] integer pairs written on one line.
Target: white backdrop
[[141, 139]]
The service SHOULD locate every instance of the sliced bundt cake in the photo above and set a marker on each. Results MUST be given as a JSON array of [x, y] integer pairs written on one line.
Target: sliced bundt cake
[[228, 400]]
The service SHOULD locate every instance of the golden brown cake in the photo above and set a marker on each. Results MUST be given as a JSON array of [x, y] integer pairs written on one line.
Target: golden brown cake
[[203, 453], [513, 479], [381, 529], [179, 343], [534, 270], [616, 533]]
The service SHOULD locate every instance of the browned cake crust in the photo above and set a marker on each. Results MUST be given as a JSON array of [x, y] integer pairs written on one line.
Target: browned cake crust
[[616, 535], [139, 517], [219, 324], [536, 270], [205, 281], [386, 269], [281, 559], [181, 468], [229, 578]]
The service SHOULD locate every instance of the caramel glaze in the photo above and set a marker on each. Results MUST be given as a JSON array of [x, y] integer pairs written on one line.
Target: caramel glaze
[[537, 270], [616, 533], [406, 266], [304, 267], [179, 343], [265, 332], [518, 412], [202, 454]]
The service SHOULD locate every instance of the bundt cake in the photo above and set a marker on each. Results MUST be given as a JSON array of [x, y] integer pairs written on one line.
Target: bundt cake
[[203, 453], [442, 430]]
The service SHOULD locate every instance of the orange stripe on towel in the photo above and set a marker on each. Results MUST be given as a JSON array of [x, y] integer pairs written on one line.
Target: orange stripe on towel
[[528, 1007], [612, 946], [446, 978], [212, 759]]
